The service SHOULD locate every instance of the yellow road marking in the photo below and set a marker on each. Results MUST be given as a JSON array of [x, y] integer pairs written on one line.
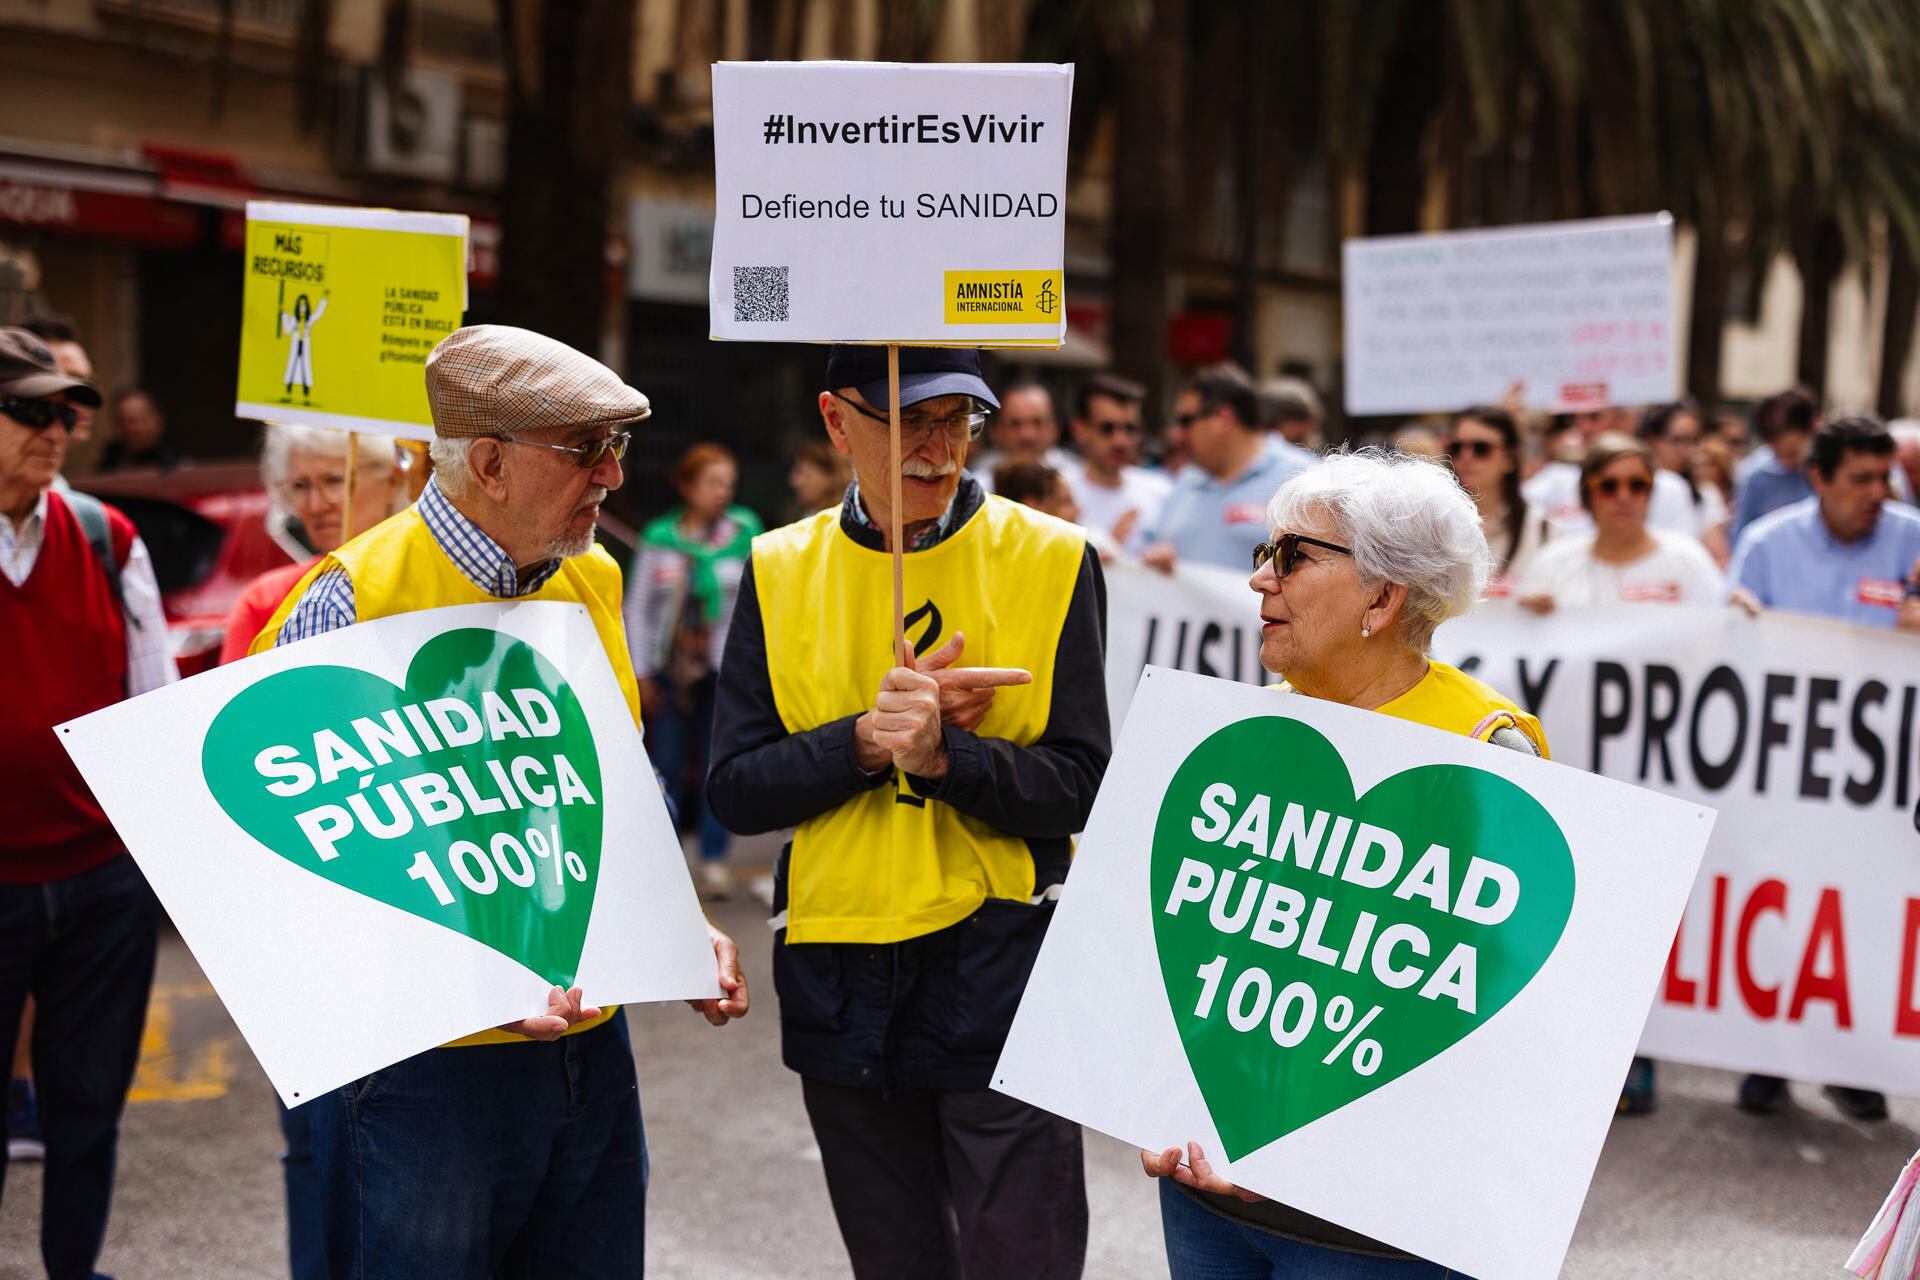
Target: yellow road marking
[[163, 1075]]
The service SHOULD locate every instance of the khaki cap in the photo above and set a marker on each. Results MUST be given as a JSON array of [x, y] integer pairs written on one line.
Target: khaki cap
[[494, 380]]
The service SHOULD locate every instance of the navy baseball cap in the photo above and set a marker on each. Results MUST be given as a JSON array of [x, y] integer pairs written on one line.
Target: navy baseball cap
[[925, 372]]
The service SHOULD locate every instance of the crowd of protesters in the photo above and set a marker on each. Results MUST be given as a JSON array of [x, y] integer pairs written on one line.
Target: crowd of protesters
[[899, 972]]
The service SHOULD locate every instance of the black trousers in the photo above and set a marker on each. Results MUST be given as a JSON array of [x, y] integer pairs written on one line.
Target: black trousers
[[83, 947], [951, 1184]]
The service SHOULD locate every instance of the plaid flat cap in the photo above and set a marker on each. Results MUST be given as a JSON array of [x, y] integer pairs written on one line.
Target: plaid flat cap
[[492, 379]]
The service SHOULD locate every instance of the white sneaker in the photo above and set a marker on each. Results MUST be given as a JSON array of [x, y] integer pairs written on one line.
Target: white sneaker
[[26, 1149], [716, 881]]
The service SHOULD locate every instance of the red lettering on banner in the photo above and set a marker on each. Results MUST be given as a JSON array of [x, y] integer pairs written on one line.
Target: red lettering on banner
[[1830, 986], [1651, 593], [1574, 394], [1768, 895], [1676, 989], [1906, 1018], [1715, 949], [1879, 591]]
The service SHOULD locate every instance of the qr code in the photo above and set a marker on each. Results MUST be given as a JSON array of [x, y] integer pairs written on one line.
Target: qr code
[[759, 293]]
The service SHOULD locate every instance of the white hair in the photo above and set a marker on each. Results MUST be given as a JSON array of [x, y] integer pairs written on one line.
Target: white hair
[[284, 439], [1408, 521], [451, 471]]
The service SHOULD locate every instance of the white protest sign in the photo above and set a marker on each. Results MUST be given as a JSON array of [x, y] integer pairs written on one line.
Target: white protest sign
[[1797, 955], [883, 202], [454, 804], [1388, 975], [1579, 311]]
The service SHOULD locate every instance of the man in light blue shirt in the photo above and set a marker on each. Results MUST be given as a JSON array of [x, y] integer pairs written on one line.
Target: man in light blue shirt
[[1217, 512], [1844, 553]]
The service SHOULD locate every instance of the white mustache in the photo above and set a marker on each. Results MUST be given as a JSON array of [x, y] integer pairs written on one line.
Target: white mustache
[[921, 469], [595, 496]]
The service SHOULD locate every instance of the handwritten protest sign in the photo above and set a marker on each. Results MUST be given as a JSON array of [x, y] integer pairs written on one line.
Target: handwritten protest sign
[[881, 202], [454, 803], [1389, 975], [1581, 312], [340, 308]]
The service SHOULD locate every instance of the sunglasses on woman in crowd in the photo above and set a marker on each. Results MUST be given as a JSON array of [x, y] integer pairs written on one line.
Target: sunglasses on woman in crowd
[[1286, 549]]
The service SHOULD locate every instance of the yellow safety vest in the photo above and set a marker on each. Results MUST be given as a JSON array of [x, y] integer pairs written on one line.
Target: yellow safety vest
[[889, 864], [398, 566]]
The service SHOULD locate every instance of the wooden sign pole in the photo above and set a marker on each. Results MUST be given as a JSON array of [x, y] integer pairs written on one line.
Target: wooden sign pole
[[902, 652], [353, 469]]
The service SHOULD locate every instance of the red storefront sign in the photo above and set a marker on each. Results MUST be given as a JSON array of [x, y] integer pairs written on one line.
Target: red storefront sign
[[126, 216]]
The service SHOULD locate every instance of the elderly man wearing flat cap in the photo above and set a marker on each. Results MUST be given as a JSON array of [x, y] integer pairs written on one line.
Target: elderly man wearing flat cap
[[933, 808], [81, 627], [517, 1150]]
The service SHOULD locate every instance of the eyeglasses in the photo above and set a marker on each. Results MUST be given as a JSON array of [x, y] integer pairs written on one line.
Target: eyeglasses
[[588, 455], [38, 415], [1185, 420], [1478, 448], [1117, 428], [1612, 485], [917, 429], [296, 493], [1286, 549]]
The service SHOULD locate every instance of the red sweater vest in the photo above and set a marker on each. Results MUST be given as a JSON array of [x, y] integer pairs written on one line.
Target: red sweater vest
[[65, 647]]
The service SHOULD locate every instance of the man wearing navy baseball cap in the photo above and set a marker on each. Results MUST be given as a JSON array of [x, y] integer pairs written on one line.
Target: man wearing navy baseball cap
[[933, 808]]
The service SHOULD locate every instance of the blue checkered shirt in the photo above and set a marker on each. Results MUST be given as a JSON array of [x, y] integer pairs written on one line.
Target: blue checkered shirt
[[327, 604]]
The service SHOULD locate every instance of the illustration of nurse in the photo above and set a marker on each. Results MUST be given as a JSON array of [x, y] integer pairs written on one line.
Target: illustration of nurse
[[299, 322]]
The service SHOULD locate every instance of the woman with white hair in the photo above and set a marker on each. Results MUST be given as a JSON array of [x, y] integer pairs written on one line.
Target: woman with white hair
[[1368, 553], [305, 470]]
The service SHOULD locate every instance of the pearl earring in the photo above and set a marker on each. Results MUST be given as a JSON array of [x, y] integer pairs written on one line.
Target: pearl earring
[[1365, 632]]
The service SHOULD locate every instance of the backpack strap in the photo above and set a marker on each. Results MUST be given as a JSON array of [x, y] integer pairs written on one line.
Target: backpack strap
[[93, 522]]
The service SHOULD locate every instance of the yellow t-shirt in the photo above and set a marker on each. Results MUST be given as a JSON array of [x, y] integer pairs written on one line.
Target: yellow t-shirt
[[1448, 698], [399, 567]]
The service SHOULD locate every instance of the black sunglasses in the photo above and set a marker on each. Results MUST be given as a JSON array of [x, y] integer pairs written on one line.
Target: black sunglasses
[[1612, 485], [1478, 448], [1113, 428], [38, 415], [1286, 549]]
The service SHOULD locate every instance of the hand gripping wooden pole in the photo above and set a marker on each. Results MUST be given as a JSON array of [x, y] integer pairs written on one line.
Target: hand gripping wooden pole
[[902, 653]]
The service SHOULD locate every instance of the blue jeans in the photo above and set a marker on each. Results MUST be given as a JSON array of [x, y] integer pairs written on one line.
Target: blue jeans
[[306, 1242], [678, 740], [83, 947], [1204, 1245], [508, 1161]]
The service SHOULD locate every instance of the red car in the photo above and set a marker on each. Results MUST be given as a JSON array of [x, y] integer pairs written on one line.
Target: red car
[[206, 528]]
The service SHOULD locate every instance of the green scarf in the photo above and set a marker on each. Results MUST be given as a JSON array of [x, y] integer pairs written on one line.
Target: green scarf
[[665, 533]]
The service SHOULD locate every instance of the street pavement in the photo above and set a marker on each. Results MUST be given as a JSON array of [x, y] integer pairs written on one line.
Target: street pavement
[[1697, 1190]]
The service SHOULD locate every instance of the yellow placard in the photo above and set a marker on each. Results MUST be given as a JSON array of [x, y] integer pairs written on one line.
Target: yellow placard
[[1004, 297], [340, 308]]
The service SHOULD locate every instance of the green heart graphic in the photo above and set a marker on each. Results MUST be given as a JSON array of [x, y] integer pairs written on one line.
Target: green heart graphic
[[471, 797], [1299, 988]]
